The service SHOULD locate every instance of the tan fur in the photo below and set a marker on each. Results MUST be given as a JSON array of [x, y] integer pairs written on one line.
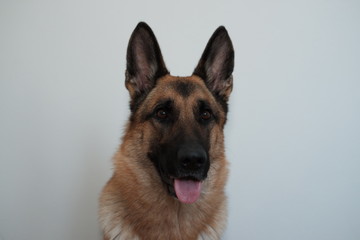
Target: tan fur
[[134, 204]]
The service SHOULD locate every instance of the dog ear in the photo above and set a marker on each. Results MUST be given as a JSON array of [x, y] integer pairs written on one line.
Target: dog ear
[[145, 63], [217, 63]]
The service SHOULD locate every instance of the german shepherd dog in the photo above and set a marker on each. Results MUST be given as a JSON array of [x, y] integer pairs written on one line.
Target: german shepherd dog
[[170, 170]]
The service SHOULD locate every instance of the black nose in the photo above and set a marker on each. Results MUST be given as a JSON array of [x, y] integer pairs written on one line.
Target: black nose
[[192, 158]]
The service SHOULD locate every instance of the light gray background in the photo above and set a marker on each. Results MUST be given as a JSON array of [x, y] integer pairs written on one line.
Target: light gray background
[[293, 135]]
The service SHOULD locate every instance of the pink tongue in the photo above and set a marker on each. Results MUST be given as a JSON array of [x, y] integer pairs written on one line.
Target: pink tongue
[[187, 191]]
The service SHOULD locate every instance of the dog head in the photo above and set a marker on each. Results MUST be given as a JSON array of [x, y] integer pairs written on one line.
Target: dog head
[[179, 120]]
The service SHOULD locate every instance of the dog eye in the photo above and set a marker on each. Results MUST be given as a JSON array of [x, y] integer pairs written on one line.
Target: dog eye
[[205, 115], [162, 114]]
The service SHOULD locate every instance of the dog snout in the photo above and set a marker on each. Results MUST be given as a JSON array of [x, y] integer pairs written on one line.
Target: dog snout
[[192, 158]]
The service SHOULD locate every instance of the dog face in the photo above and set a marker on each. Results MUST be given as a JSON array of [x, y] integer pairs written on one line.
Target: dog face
[[181, 118]]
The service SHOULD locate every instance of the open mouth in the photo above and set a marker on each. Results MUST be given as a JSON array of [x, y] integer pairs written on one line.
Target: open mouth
[[181, 183], [187, 190]]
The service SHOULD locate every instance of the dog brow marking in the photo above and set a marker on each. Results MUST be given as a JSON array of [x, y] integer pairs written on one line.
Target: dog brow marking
[[183, 88]]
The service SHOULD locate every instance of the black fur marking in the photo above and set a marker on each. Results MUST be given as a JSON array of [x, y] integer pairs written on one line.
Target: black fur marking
[[167, 106], [176, 139], [203, 105], [136, 101], [223, 103], [184, 88], [165, 156]]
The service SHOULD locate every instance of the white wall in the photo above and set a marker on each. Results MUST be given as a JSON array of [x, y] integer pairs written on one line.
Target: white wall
[[293, 136]]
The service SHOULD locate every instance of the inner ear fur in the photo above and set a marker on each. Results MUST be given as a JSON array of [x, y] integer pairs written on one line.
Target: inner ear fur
[[145, 63], [216, 64]]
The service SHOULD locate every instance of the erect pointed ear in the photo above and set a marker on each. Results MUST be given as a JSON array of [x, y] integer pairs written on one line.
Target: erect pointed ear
[[217, 63], [145, 63]]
